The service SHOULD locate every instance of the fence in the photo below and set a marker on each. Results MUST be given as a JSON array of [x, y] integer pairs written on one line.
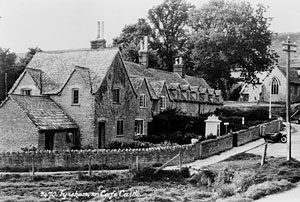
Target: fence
[[72, 160]]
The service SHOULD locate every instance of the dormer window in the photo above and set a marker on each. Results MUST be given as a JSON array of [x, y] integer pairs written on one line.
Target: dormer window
[[143, 101], [26, 91], [116, 95], [188, 95], [75, 96]]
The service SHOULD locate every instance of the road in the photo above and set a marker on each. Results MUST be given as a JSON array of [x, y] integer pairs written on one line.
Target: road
[[278, 150]]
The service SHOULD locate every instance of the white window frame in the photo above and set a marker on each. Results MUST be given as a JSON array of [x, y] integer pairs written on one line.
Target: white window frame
[[142, 101], [73, 96], [139, 129], [163, 103], [275, 86], [26, 91]]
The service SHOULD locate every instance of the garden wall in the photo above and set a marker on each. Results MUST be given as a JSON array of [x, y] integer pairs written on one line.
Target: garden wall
[[214, 146], [72, 160], [253, 133]]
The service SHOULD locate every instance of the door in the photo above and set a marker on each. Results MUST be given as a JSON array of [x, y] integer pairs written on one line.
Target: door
[[49, 140], [101, 135]]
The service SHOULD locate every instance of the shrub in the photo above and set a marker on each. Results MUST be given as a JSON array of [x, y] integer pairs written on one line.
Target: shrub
[[128, 144], [147, 174], [226, 190]]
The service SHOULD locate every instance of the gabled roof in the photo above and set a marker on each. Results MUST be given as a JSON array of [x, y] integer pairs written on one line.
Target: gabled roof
[[156, 77], [57, 66], [294, 77], [157, 86], [43, 112]]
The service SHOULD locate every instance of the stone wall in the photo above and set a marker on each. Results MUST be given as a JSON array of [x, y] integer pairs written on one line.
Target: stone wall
[[79, 158], [16, 129], [215, 146]]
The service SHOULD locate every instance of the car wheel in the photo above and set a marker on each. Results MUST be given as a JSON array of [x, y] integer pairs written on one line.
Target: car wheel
[[283, 139]]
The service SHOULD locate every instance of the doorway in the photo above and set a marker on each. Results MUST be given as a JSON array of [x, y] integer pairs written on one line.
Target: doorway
[[49, 140], [101, 135]]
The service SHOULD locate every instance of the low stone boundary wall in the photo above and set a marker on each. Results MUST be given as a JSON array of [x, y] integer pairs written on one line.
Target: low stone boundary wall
[[80, 158], [214, 146], [253, 133], [120, 158]]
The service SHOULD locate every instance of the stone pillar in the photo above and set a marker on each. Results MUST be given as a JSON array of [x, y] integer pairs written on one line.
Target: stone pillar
[[212, 126]]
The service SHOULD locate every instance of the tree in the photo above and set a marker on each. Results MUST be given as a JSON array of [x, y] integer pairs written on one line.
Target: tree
[[7, 71], [230, 35], [11, 68], [169, 20], [129, 41]]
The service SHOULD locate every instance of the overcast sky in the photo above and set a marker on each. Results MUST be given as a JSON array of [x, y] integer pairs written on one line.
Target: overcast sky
[[71, 24]]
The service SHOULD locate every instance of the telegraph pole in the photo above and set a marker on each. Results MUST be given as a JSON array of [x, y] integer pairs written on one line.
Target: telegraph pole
[[287, 48]]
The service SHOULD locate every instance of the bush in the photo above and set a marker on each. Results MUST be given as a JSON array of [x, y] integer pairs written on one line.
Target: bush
[[128, 144], [226, 190], [147, 174]]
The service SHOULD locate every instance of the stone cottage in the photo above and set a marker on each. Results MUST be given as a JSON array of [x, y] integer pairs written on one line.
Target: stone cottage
[[159, 90], [90, 97]]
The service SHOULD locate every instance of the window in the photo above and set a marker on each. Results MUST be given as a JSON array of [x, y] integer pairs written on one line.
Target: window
[[120, 128], [75, 96], [26, 91], [188, 95], [139, 127], [275, 86], [116, 95], [162, 104], [178, 94], [295, 90], [142, 101]]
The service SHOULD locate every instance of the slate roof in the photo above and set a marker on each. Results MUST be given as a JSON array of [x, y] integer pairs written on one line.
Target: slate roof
[[57, 66], [172, 79], [294, 77], [44, 112]]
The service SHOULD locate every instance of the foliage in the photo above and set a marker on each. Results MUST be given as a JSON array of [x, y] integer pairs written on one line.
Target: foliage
[[235, 94], [147, 174], [226, 190], [169, 20], [128, 144], [8, 67], [129, 41], [266, 188], [228, 35], [12, 67]]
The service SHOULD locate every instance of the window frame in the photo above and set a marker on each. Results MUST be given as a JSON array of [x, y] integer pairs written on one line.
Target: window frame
[[274, 86], [24, 91], [120, 128], [163, 103], [73, 96], [139, 127], [142, 101], [116, 100]]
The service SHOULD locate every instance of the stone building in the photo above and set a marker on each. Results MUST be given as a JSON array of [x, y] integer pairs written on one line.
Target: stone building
[[90, 97]]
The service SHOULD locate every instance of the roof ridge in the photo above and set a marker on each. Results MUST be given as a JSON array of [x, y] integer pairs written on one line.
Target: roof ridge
[[77, 50]]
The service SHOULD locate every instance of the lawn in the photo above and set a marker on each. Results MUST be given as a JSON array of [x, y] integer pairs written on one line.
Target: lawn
[[239, 178]]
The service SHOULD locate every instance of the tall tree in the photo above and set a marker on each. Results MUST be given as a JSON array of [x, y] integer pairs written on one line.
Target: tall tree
[[228, 35], [7, 71], [169, 20], [11, 67], [129, 41]]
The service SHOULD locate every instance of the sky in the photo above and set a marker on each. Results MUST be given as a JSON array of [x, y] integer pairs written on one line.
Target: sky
[[72, 24]]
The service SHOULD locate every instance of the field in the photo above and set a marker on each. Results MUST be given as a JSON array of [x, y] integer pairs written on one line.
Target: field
[[239, 178]]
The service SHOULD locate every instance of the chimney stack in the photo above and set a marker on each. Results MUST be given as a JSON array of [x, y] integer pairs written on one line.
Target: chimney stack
[[143, 52], [178, 67], [100, 42]]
